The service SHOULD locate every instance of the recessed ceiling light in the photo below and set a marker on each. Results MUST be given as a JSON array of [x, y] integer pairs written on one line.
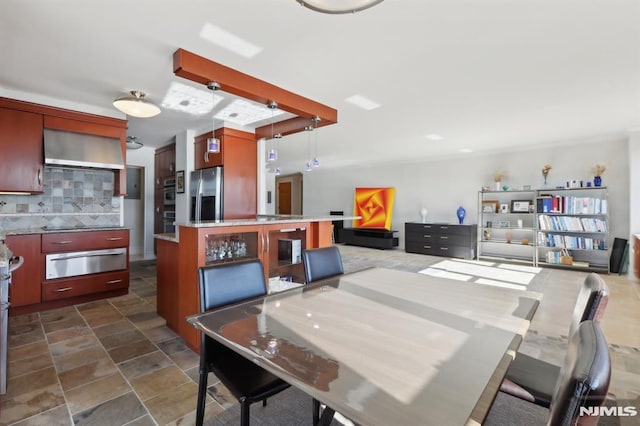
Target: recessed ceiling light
[[465, 150], [362, 102], [434, 137], [189, 99], [229, 41], [242, 112]]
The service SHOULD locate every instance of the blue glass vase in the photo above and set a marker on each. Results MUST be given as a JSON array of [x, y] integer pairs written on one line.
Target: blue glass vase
[[597, 181], [461, 212]]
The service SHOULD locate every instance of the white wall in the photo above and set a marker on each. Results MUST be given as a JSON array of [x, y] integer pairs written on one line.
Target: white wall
[[442, 186], [144, 157]]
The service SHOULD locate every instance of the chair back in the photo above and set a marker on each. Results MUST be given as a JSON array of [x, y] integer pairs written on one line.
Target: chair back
[[591, 303], [228, 283], [321, 263], [584, 377]]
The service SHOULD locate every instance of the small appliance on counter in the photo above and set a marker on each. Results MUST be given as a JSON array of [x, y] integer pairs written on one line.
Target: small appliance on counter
[[8, 264], [206, 194]]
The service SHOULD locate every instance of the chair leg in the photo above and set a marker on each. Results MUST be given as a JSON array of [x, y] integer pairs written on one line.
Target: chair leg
[[316, 411], [202, 395], [244, 412]]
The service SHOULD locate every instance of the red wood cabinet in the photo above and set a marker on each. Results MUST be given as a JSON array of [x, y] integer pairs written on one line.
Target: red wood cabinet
[[25, 282], [239, 157], [21, 151]]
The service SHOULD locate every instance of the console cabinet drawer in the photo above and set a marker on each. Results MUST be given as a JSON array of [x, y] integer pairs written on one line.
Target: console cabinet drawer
[[87, 284], [85, 240], [439, 239]]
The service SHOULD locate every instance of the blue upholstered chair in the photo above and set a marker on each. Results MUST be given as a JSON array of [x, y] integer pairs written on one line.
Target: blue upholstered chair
[[321, 263], [222, 285]]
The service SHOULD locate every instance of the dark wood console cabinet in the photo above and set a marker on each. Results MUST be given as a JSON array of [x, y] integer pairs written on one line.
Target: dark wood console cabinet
[[441, 239], [372, 238]]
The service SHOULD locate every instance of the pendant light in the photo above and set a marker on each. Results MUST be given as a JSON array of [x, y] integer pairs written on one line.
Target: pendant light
[[136, 105], [308, 166], [213, 143], [133, 142], [272, 155], [316, 159]]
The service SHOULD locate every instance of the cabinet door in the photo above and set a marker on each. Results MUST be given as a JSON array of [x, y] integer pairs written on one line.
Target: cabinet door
[[283, 250], [21, 148], [167, 282], [26, 281]]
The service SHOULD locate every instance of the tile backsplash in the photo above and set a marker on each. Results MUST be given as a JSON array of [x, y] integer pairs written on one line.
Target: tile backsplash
[[72, 196]]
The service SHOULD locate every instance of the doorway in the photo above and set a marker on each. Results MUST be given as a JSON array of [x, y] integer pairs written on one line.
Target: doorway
[[289, 194], [134, 211]]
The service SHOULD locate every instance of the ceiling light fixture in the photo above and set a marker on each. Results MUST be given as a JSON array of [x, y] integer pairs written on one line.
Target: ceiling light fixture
[[272, 155], [213, 143], [308, 166], [133, 142], [316, 159], [136, 105], [338, 6]]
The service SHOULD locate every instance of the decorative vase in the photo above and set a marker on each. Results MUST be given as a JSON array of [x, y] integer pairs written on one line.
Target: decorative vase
[[423, 214], [597, 181], [498, 185], [461, 212]]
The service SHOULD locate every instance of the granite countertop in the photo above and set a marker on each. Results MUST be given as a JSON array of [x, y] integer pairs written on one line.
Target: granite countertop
[[262, 219], [167, 237], [51, 230]]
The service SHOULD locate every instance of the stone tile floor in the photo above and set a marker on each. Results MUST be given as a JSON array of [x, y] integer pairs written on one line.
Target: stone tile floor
[[114, 361]]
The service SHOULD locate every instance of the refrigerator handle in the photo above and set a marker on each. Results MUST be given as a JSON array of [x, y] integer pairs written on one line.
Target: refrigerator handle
[[219, 195], [198, 216]]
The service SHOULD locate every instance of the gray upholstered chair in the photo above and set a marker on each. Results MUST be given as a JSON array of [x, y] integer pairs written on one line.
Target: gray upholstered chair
[[582, 385], [532, 379], [222, 285], [321, 263]]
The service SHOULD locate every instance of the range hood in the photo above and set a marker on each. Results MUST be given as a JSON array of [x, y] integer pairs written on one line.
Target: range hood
[[80, 150]]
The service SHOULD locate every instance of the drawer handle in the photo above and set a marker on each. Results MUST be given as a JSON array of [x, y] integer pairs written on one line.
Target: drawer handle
[[444, 248], [427, 247], [114, 281], [63, 242], [114, 238], [427, 236], [62, 290], [444, 237], [444, 227]]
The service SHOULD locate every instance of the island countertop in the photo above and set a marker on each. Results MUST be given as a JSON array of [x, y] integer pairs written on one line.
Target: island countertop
[[262, 219]]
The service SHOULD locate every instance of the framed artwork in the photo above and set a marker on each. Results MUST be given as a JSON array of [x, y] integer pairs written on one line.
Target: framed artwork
[[490, 206], [504, 208], [504, 224], [520, 206], [180, 181]]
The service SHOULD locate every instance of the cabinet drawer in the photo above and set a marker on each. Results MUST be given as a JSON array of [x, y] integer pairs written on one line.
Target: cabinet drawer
[[453, 239], [88, 284], [89, 240], [424, 237], [421, 248]]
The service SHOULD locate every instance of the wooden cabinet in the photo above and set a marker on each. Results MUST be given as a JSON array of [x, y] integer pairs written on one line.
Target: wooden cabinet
[[238, 155], [21, 136], [195, 250], [164, 168], [21, 151], [92, 240], [25, 281], [439, 239], [85, 285]]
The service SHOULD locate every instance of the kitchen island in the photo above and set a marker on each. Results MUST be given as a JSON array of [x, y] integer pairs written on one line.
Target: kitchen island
[[276, 240]]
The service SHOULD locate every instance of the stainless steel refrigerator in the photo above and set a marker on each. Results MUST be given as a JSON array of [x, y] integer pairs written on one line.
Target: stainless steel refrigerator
[[206, 194]]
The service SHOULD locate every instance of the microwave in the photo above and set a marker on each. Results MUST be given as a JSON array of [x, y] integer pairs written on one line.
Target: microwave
[[169, 198]]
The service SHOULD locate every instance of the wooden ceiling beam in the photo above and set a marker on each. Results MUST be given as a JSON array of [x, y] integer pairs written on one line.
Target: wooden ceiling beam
[[202, 70]]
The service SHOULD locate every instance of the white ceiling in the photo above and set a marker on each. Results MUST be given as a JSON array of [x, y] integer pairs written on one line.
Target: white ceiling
[[487, 75]]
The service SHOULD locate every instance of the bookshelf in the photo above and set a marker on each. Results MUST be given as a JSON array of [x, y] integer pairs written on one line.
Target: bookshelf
[[567, 228], [573, 228]]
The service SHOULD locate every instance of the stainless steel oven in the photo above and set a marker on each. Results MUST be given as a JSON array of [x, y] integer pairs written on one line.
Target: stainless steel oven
[[60, 265], [169, 190], [169, 222]]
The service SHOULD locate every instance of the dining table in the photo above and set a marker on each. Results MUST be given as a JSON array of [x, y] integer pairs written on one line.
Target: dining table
[[384, 346]]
